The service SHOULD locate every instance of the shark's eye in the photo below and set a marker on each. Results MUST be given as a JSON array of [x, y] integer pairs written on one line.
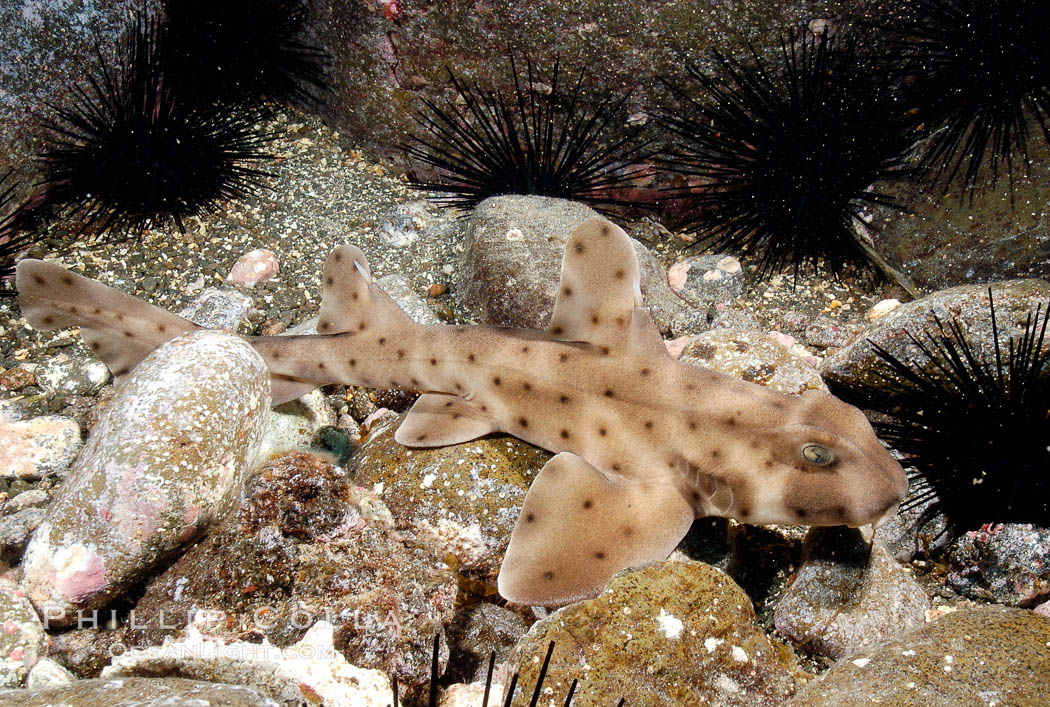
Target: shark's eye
[[818, 454]]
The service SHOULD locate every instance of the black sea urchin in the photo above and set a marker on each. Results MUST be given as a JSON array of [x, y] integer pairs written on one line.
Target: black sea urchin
[[787, 155], [129, 151], [529, 143], [974, 431], [11, 217], [980, 77], [232, 51]]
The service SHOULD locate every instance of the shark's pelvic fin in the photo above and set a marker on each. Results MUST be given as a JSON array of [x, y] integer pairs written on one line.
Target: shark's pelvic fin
[[121, 329], [580, 526], [437, 419]]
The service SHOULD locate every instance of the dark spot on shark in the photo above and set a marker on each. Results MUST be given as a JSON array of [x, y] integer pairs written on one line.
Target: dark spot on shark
[[524, 349], [563, 357], [39, 280], [97, 310], [320, 365], [329, 281], [382, 341], [588, 504], [567, 291], [557, 331], [578, 248], [95, 346], [716, 454], [523, 422], [645, 372], [729, 421], [337, 256], [67, 280], [602, 431], [526, 387], [49, 319], [548, 575], [122, 371], [530, 517], [594, 319], [362, 326], [599, 555], [564, 434], [420, 438], [353, 362], [608, 393], [471, 357], [628, 531], [603, 350], [400, 354], [355, 296], [73, 309], [620, 274], [564, 399], [648, 424], [800, 512], [497, 381], [448, 404], [433, 362]]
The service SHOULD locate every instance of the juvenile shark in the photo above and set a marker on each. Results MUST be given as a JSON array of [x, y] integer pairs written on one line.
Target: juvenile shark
[[644, 444]]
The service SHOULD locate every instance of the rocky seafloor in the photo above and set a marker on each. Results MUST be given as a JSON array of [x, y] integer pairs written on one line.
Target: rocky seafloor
[[172, 540]]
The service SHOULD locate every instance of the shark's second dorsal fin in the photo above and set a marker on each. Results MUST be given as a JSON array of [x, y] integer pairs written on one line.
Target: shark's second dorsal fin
[[599, 286], [346, 299], [121, 329]]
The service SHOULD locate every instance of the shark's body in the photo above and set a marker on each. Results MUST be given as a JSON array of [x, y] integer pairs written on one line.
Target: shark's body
[[645, 444]]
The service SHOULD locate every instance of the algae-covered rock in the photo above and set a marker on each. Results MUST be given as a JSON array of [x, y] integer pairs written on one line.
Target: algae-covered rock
[[848, 594], [462, 500], [671, 633], [303, 546], [38, 447], [157, 469], [981, 656], [22, 639], [139, 692], [1014, 299]]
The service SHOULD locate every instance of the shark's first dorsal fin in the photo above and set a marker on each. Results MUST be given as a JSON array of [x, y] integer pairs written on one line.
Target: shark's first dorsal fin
[[580, 526], [121, 329], [600, 286], [437, 419]]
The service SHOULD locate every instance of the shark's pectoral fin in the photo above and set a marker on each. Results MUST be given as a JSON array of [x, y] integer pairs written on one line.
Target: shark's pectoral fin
[[121, 329], [437, 419], [580, 526], [599, 286]]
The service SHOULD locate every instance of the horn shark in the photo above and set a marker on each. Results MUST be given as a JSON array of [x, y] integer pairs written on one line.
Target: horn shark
[[644, 443]]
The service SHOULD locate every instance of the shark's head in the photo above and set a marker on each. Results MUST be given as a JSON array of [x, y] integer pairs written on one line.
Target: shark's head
[[821, 464]]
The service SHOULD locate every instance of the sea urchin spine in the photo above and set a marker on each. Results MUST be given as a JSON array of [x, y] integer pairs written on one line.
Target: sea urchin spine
[[129, 152], [545, 145], [974, 431], [787, 155]]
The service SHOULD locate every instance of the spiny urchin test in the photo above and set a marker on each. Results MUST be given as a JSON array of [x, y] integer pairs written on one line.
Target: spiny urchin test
[[129, 152], [540, 141], [973, 427], [785, 155]]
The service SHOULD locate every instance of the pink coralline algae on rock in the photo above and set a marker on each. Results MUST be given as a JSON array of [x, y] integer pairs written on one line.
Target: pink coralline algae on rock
[[158, 468], [254, 267]]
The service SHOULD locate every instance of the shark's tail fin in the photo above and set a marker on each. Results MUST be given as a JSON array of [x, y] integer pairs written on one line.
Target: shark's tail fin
[[121, 329]]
